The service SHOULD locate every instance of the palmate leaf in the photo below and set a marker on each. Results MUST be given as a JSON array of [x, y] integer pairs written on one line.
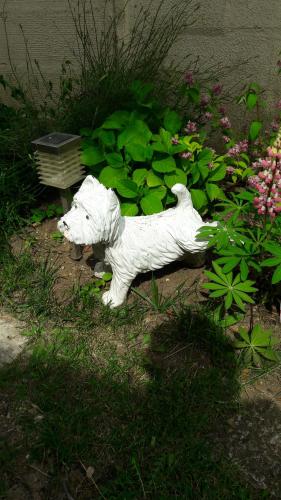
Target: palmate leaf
[[244, 335], [233, 289], [275, 250], [268, 353], [262, 338]]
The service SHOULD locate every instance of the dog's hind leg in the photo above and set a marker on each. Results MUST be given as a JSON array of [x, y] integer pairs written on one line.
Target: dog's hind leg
[[117, 293]]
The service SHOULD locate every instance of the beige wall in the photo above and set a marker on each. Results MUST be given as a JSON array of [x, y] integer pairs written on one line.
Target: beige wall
[[226, 32]]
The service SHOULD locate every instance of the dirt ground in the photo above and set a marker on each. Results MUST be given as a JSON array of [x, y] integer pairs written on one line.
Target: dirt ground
[[253, 440]]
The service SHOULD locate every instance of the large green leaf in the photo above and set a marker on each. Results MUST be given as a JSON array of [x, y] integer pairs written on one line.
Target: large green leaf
[[139, 152], [205, 156], [127, 188], [140, 90], [129, 209], [251, 100], [276, 275], [164, 166], [151, 204], [137, 132], [107, 137], [92, 156], [254, 131], [213, 191], [176, 177], [115, 160], [172, 121], [218, 173], [199, 198], [194, 94], [160, 192], [86, 132], [139, 176], [110, 176], [117, 120], [153, 180]]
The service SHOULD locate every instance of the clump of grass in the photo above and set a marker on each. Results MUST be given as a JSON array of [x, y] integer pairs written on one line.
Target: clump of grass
[[26, 284]]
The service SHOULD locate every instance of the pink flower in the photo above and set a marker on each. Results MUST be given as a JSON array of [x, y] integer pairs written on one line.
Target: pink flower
[[186, 155], [230, 170], [208, 116], [268, 184], [210, 165], [191, 127], [205, 99], [175, 140], [275, 126], [225, 122], [237, 149], [217, 89], [222, 110], [188, 78], [226, 139]]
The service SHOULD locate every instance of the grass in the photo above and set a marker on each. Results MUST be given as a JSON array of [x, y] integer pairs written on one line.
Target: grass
[[111, 408]]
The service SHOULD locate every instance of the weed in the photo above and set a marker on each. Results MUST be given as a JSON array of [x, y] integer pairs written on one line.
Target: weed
[[27, 285], [256, 345], [157, 300], [52, 210]]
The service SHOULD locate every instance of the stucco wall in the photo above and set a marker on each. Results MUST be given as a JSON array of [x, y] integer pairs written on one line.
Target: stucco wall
[[226, 32]]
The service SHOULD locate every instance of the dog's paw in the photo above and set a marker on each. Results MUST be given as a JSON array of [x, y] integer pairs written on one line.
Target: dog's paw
[[110, 301], [101, 269]]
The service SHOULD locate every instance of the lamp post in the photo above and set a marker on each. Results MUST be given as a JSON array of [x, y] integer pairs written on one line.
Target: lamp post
[[58, 165]]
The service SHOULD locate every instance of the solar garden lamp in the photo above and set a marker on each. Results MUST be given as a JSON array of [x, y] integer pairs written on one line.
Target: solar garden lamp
[[58, 165]]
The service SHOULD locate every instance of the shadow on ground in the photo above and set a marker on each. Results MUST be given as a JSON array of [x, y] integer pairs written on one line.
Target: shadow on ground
[[159, 427]]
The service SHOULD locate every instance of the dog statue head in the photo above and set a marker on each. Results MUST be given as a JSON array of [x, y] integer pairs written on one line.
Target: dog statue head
[[94, 215]]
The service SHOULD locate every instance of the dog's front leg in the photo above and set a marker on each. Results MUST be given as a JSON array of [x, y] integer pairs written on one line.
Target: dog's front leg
[[118, 291]]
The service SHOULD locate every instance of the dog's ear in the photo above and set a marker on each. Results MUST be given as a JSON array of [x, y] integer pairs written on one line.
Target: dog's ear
[[113, 200], [92, 186]]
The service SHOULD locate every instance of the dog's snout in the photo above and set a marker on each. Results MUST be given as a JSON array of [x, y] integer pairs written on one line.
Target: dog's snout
[[62, 225]]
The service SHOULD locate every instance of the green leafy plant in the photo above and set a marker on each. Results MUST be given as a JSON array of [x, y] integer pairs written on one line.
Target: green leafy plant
[[275, 261], [142, 166], [233, 289], [157, 301], [256, 345], [57, 236], [94, 288], [39, 214]]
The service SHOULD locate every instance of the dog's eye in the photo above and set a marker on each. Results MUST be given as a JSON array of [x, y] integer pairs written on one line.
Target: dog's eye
[[87, 217]]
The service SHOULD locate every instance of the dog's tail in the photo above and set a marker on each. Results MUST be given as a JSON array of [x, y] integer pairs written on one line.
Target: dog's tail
[[183, 196]]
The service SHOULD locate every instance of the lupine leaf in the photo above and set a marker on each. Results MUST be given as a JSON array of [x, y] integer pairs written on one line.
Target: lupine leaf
[[218, 293], [273, 248], [276, 276]]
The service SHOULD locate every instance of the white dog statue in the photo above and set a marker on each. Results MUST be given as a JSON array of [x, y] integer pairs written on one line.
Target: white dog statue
[[130, 245]]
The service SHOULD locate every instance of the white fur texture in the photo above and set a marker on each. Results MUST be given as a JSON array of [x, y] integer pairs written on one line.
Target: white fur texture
[[130, 245]]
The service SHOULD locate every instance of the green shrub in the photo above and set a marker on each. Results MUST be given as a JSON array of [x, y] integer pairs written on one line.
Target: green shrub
[[142, 166]]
